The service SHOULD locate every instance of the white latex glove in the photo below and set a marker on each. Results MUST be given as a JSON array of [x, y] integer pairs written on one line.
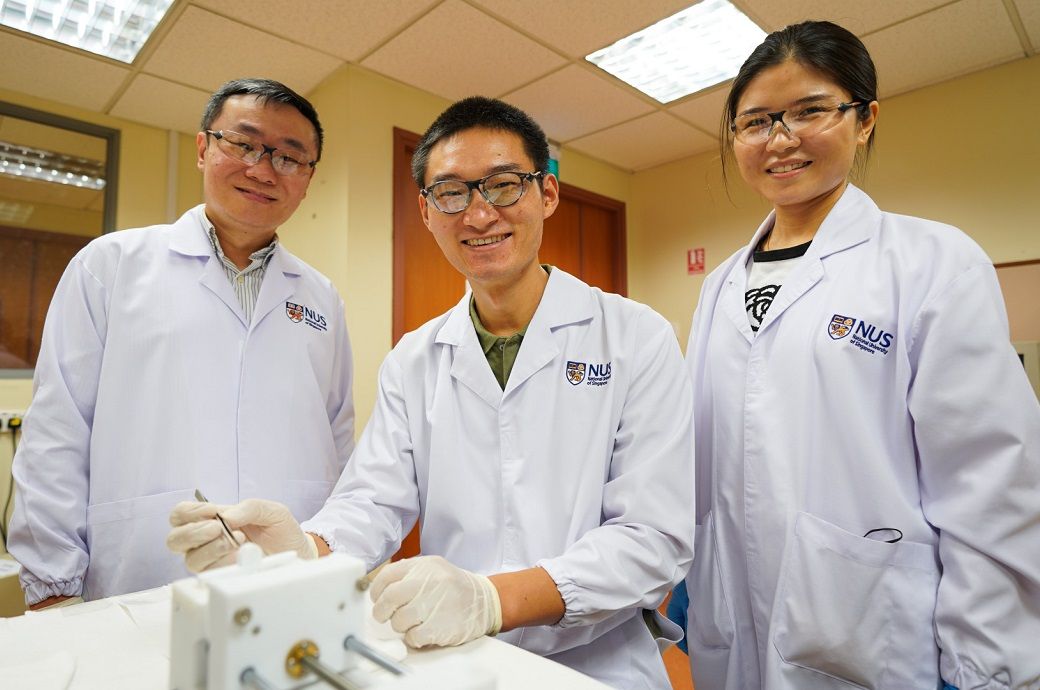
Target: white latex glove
[[435, 603], [200, 537]]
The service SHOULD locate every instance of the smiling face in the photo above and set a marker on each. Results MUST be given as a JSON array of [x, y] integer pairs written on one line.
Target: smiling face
[[492, 246], [253, 199], [791, 172]]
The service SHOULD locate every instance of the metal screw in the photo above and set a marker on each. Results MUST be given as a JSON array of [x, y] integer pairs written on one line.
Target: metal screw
[[243, 616]]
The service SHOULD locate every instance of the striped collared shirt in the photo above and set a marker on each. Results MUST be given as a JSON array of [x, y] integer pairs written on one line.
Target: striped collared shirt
[[246, 283]]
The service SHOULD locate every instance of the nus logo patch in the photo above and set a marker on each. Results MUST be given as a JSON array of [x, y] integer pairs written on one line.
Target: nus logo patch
[[865, 336], [311, 317], [588, 373]]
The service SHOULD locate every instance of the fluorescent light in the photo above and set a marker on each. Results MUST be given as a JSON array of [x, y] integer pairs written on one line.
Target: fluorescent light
[[113, 28], [25, 162], [698, 47]]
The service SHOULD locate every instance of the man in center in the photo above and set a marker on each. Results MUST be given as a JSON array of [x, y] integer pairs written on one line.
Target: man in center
[[539, 431]]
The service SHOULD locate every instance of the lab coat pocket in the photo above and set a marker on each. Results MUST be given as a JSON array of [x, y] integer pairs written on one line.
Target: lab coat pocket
[[306, 497], [709, 618], [857, 610], [665, 632], [127, 544]]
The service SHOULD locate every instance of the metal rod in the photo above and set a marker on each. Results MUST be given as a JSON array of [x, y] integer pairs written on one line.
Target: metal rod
[[250, 678], [353, 644], [327, 674]]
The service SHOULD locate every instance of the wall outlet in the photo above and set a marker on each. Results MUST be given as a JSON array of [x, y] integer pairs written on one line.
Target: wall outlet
[[5, 418]]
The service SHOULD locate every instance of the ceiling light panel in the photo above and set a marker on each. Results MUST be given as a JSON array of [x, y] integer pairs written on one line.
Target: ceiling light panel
[[699, 47], [113, 28], [27, 163]]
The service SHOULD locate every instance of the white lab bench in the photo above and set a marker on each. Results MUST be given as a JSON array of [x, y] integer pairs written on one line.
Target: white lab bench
[[123, 643]]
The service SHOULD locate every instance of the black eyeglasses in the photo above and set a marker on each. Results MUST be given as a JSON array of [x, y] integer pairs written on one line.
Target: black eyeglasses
[[803, 121], [500, 189], [250, 151]]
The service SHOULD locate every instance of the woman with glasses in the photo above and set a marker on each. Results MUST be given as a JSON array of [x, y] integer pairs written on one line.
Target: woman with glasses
[[868, 447]]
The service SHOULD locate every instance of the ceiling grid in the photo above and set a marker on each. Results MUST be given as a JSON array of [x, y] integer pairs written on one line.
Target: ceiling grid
[[453, 48]]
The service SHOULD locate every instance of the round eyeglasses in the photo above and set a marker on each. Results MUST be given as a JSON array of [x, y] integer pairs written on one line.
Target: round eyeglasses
[[250, 151], [500, 189], [803, 121]]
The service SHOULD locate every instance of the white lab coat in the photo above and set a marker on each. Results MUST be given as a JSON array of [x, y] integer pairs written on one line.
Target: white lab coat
[[918, 417], [591, 481], [150, 384]]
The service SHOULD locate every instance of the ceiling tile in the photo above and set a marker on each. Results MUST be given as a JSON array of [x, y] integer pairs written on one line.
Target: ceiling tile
[[579, 28], [918, 52], [646, 142], [704, 110], [569, 103], [457, 51], [163, 104], [205, 50], [347, 29], [70, 76], [855, 15], [1029, 11]]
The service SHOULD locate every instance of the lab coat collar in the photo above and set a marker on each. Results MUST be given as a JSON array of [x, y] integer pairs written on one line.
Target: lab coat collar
[[190, 238], [566, 300], [189, 233], [189, 241], [854, 219]]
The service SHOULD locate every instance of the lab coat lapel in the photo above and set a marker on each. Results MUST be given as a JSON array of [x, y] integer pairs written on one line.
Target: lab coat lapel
[[732, 297], [189, 238], [843, 227], [278, 285], [565, 300], [469, 365]]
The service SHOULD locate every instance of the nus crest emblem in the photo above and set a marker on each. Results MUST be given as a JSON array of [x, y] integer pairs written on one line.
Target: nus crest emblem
[[294, 312], [840, 326], [575, 372]]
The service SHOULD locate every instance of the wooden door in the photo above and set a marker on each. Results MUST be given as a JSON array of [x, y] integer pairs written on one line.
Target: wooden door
[[585, 237], [31, 263]]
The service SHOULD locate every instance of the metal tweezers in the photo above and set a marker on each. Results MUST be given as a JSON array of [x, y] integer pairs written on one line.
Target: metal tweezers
[[227, 530]]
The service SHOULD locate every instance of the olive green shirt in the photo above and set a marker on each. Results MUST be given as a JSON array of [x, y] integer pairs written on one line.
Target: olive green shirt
[[500, 351]]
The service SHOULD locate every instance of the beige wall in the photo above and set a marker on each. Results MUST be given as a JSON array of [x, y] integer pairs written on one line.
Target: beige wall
[[955, 152]]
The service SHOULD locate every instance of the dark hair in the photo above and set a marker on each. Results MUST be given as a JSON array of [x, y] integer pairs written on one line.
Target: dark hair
[[265, 90], [823, 46], [478, 111]]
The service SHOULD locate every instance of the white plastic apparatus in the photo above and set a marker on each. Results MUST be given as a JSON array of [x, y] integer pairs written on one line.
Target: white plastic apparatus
[[282, 623]]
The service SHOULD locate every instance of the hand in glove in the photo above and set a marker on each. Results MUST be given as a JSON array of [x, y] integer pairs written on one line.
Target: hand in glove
[[435, 603], [201, 538]]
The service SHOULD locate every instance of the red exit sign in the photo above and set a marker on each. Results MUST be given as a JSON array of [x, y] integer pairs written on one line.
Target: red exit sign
[[695, 261]]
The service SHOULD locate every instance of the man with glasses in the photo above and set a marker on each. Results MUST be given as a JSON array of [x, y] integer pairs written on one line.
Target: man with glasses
[[199, 355], [540, 431]]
